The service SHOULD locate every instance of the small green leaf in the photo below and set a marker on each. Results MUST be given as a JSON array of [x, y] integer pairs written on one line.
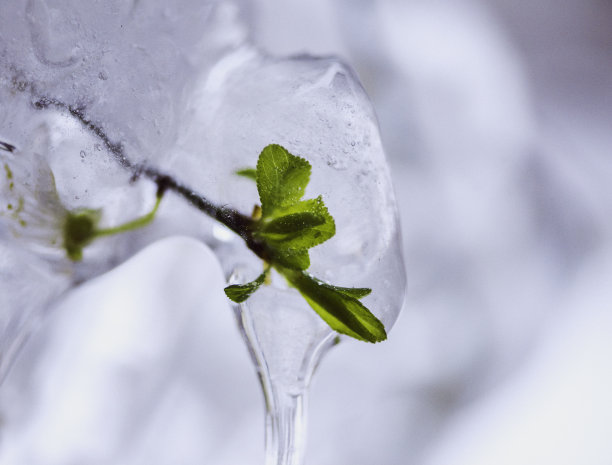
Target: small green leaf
[[283, 231], [290, 224], [250, 173], [296, 259], [341, 311], [241, 292], [281, 178], [355, 292]]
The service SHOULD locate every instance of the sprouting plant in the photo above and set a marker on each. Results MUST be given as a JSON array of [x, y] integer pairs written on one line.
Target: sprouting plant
[[287, 226]]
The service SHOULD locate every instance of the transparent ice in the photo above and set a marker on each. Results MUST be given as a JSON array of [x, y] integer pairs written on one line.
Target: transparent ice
[[96, 94]]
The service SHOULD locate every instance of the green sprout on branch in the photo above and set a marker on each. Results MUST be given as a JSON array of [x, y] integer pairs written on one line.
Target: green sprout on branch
[[286, 228]]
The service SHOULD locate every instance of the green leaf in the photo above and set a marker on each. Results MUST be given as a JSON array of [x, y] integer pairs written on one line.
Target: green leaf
[[295, 229], [340, 310], [281, 178], [355, 292], [241, 292], [302, 226], [250, 173], [291, 223], [296, 259]]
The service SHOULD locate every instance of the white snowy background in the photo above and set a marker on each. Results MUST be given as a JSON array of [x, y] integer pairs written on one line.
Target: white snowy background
[[496, 120]]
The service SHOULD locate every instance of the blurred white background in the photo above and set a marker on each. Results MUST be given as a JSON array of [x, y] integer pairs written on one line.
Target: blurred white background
[[495, 116]]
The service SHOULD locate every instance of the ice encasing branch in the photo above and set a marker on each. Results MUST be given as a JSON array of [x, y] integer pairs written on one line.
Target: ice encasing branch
[[234, 220]]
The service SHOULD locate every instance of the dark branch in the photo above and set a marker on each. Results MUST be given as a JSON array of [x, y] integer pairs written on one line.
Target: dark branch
[[78, 113], [6, 147]]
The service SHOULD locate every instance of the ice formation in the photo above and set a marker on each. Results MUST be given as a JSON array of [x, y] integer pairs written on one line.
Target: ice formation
[[100, 95]]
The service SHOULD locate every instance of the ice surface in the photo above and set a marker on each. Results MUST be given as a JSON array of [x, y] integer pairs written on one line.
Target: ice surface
[[130, 65]]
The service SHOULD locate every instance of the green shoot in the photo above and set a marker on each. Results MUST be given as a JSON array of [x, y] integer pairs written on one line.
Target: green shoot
[[288, 227]]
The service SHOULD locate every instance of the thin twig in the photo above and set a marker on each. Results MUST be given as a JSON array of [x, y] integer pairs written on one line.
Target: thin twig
[[7, 147]]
